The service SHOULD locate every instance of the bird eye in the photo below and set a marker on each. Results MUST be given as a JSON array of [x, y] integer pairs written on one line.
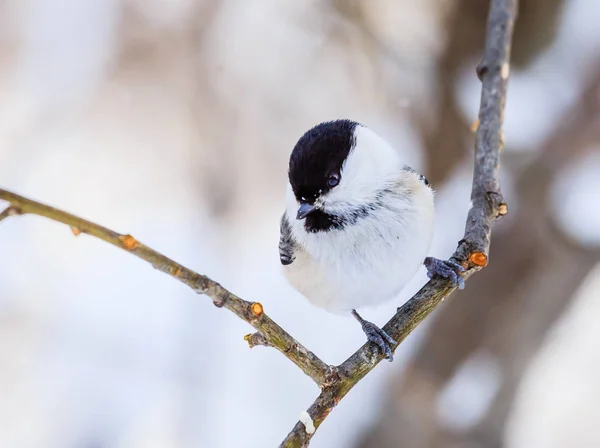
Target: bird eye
[[424, 179], [333, 180]]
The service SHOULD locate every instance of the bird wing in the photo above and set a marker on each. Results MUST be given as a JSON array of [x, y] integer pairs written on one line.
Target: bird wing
[[287, 244]]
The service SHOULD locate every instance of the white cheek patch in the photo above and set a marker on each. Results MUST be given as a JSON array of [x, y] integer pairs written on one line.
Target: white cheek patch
[[372, 165]]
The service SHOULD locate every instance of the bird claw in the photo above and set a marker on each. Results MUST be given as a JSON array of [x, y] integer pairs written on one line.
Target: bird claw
[[446, 269], [377, 336]]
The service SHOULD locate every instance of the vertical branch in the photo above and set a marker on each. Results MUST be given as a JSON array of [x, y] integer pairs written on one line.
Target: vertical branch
[[487, 206]]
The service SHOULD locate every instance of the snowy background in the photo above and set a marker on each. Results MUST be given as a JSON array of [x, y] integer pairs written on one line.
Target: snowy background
[[173, 121]]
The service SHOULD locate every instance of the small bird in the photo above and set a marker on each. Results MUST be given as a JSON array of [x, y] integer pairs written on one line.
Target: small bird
[[358, 223]]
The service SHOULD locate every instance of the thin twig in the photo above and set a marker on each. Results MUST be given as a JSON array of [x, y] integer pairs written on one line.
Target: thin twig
[[472, 252], [9, 211], [251, 312]]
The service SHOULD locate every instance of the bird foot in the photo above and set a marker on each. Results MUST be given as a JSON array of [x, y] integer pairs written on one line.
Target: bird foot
[[377, 336], [446, 269]]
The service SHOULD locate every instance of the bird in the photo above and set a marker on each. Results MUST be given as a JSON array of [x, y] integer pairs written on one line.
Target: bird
[[358, 223]]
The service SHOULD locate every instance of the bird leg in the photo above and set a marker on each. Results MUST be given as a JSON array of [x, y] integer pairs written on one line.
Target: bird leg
[[446, 269], [377, 336]]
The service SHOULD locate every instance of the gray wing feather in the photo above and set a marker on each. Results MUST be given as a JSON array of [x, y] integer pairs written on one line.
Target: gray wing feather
[[287, 244]]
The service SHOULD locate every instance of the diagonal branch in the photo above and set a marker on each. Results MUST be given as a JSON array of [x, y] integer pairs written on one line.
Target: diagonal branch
[[9, 211], [252, 312], [472, 252], [487, 206]]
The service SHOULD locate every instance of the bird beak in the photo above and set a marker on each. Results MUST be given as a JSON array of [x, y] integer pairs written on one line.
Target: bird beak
[[305, 210]]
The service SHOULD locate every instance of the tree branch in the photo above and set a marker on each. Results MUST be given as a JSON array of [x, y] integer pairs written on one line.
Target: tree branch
[[532, 250], [9, 211], [252, 312], [472, 252]]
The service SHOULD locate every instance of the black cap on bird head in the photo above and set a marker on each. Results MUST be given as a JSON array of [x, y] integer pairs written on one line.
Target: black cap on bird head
[[315, 168], [316, 161]]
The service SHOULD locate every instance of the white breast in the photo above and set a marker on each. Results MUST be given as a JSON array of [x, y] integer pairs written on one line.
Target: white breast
[[370, 261]]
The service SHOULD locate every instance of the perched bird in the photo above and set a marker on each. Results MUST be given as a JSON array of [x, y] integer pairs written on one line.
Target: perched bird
[[358, 223]]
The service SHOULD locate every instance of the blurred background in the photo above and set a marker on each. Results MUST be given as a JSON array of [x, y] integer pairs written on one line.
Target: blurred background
[[173, 120]]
